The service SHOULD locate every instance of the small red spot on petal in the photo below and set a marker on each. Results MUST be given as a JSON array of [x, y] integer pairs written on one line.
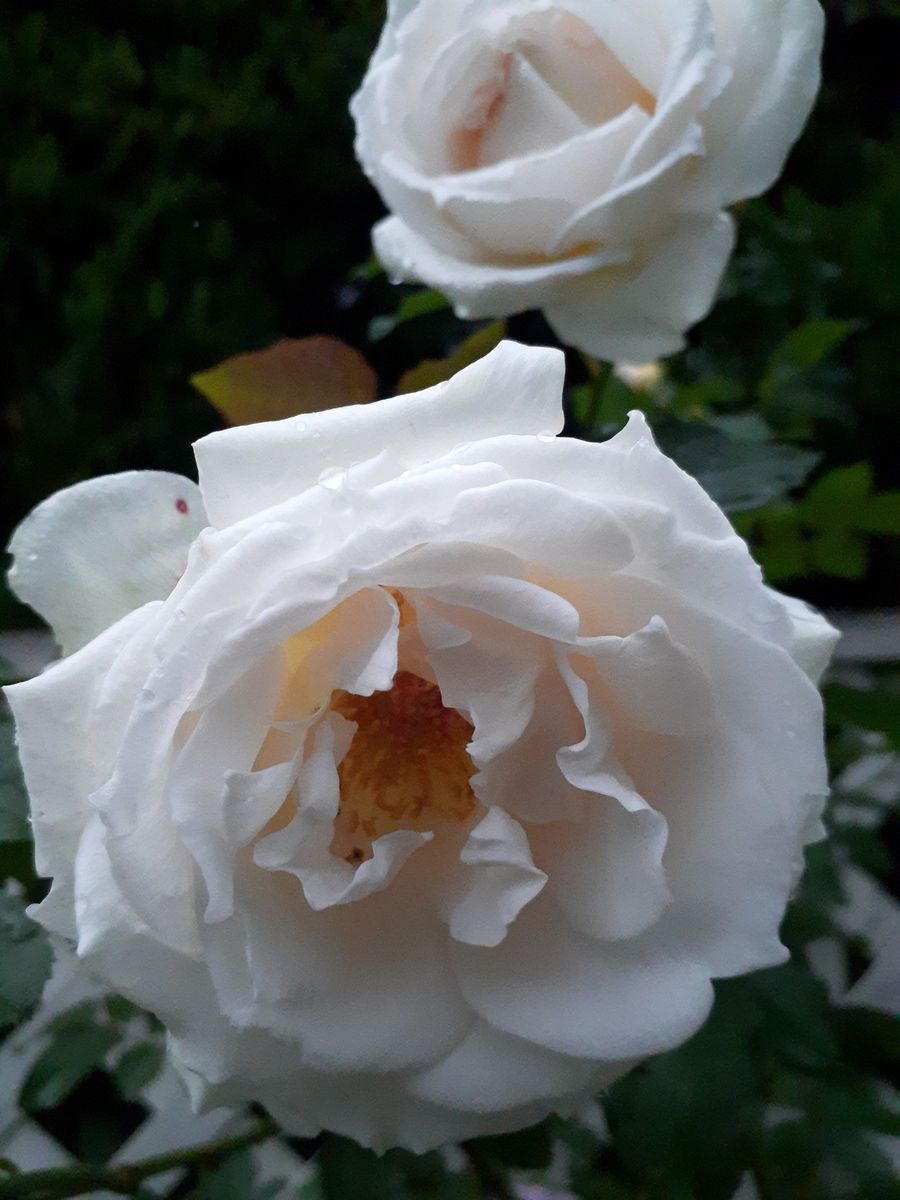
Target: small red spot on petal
[[181, 505]]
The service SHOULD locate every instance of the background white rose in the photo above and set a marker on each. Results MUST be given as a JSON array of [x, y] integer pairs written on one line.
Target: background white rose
[[578, 156], [458, 762]]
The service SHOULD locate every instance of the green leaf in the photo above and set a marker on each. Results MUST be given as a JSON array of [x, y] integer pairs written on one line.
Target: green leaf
[[527, 1150], [870, 1039], [70, 1057], [866, 848], [876, 709], [35, 171], [418, 304], [781, 547], [695, 400], [835, 499], [683, 1122], [861, 1158], [25, 961], [805, 347], [427, 1177], [613, 401], [739, 475], [851, 1104], [120, 1009], [17, 863], [796, 1024], [839, 552], [233, 1179], [138, 1067], [346, 1170], [880, 514], [14, 824]]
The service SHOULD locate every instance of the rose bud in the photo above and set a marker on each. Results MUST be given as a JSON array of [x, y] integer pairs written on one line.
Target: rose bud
[[580, 157]]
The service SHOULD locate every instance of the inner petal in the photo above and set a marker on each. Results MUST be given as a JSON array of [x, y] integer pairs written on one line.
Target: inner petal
[[555, 78], [407, 766], [581, 68]]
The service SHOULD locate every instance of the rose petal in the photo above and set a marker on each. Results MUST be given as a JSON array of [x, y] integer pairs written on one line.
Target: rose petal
[[566, 992], [608, 876], [501, 881], [813, 639], [67, 750], [490, 1071], [302, 848], [639, 313], [247, 469], [94, 552], [774, 48]]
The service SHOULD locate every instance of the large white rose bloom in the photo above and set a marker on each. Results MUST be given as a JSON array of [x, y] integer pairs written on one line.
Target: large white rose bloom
[[456, 763], [578, 156]]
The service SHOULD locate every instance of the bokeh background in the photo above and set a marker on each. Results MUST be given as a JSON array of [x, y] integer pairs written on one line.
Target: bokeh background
[[180, 188]]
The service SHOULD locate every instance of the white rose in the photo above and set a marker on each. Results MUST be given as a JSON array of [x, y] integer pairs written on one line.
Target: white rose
[[458, 762], [578, 156]]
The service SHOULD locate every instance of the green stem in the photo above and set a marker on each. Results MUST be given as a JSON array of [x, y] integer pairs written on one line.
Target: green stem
[[62, 1182]]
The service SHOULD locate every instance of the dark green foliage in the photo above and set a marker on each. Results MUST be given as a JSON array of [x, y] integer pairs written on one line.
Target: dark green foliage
[[25, 961], [182, 187]]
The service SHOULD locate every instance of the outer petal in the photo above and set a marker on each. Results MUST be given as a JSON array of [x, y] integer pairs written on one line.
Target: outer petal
[[566, 992], [383, 1115], [67, 744], [756, 782], [774, 48], [634, 315], [92, 553], [484, 289], [490, 1071], [813, 639], [116, 943], [355, 988], [250, 468]]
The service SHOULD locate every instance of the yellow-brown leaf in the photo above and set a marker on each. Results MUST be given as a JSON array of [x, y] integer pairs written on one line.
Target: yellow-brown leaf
[[296, 375]]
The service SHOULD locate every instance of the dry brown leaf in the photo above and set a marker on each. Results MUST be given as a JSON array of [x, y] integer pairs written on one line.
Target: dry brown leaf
[[296, 375]]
